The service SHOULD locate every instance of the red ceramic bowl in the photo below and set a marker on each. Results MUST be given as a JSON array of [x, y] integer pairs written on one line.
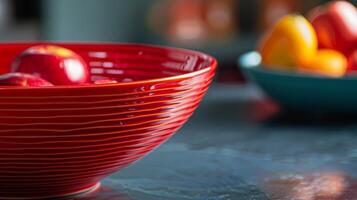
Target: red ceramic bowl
[[62, 140]]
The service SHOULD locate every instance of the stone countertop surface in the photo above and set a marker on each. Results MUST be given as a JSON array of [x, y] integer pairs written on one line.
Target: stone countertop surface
[[239, 145]]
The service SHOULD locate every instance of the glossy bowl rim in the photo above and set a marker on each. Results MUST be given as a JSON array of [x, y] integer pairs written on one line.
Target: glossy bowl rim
[[211, 67]]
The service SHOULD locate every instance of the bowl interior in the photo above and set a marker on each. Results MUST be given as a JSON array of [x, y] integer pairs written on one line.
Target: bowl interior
[[123, 62]]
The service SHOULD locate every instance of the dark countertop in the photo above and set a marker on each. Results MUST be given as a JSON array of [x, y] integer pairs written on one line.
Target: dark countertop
[[239, 146]]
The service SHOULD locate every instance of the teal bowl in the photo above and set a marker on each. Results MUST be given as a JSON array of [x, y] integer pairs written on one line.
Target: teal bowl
[[302, 92]]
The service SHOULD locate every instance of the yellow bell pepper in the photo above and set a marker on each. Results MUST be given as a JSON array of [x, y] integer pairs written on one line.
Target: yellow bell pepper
[[290, 42], [326, 62]]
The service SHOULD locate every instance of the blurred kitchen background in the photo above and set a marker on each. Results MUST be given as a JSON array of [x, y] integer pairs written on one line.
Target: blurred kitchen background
[[223, 28]]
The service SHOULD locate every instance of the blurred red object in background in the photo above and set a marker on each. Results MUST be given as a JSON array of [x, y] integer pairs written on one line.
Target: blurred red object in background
[[272, 10], [221, 18], [186, 23], [193, 22]]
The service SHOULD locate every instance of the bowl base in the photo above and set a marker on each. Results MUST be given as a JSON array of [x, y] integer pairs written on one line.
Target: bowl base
[[69, 195]]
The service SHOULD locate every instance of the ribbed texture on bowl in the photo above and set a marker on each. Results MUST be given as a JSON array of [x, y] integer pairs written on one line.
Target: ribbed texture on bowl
[[62, 140]]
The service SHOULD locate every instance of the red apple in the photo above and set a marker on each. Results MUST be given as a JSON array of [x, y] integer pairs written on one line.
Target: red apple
[[56, 64], [21, 79], [336, 25], [352, 62]]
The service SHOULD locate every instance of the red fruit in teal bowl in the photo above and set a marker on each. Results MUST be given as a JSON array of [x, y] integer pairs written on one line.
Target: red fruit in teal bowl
[[336, 25], [352, 61]]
